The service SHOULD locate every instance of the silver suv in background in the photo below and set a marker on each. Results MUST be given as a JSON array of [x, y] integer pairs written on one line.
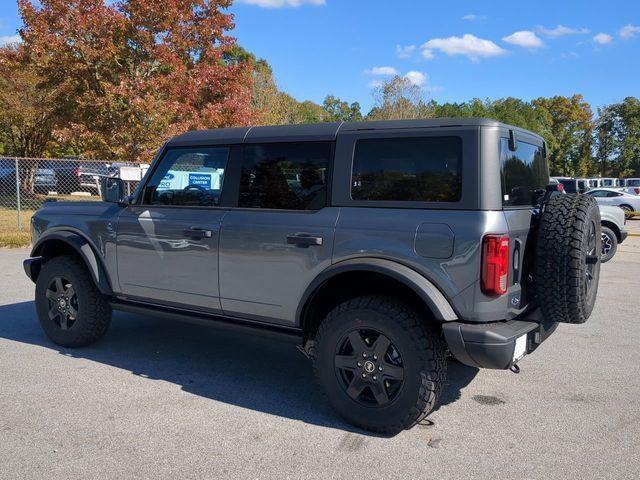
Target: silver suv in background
[[613, 231]]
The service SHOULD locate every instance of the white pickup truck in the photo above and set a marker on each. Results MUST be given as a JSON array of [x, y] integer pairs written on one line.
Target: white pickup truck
[[613, 232]]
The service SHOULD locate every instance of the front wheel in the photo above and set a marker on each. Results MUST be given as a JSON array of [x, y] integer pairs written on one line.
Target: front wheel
[[71, 309], [380, 364], [609, 244]]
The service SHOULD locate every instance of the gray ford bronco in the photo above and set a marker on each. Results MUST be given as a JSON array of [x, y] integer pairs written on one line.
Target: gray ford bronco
[[380, 247]]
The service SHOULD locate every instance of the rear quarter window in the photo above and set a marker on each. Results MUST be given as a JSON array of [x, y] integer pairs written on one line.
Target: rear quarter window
[[419, 169], [524, 174]]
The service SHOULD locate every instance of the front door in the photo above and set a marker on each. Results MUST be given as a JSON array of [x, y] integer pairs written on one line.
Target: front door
[[280, 236], [167, 247]]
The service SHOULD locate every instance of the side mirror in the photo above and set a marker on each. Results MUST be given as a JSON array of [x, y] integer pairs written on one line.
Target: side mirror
[[112, 190]]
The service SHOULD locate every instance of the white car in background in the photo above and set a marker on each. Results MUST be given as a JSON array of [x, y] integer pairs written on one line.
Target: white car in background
[[612, 230], [617, 198], [632, 186]]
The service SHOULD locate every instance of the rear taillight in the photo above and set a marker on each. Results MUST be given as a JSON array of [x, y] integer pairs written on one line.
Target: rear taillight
[[76, 172], [495, 264], [637, 190], [560, 187]]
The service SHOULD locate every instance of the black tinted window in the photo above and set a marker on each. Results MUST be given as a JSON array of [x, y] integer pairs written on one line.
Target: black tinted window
[[597, 193], [188, 177], [418, 169], [289, 176], [524, 174]]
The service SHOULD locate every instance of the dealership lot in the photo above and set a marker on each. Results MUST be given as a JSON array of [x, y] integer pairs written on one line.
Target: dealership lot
[[168, 400]]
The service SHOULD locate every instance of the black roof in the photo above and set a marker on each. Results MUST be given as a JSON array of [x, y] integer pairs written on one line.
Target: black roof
[[322, 131]]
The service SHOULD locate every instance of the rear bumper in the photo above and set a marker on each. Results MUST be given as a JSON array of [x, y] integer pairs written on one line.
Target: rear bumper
[[493, 345]]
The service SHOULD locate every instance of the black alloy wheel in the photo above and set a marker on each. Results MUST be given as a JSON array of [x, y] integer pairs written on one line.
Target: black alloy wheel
[[369, 368], [63, 302]]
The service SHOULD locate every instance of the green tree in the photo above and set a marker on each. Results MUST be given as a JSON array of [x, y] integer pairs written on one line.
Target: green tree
[[399, 99], [339, 110], [567, 125]]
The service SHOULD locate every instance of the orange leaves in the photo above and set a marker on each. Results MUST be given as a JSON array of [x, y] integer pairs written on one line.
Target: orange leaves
[[132, 73]]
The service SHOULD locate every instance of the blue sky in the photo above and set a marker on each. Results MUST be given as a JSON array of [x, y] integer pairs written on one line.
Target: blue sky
[[455, 50]]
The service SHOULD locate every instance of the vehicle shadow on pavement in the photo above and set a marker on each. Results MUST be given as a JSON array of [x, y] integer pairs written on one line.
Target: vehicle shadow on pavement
[[250, 372]]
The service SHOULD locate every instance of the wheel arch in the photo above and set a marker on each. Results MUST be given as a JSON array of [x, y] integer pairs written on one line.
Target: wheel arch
[[613, 227], [330, 286], [64, 242]]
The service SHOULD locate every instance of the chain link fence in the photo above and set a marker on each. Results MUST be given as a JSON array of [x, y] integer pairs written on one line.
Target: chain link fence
[[26, 183]]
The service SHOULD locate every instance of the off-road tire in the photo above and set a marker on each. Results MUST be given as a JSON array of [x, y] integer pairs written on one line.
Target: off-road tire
[[93, 311], [565, 238], [613, 241], [419, 343]]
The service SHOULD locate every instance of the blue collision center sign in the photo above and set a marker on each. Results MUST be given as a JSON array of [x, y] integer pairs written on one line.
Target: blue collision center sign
[[200, 179]]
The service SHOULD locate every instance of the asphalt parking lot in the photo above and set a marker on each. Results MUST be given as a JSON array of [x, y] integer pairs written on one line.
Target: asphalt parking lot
[[157, 399]]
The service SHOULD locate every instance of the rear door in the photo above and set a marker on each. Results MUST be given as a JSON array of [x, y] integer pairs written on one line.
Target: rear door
[[279, 235], [167, 247]]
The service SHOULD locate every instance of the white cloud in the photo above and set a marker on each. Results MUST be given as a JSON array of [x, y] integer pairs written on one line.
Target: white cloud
[[382, 71], [472, 17], [405, 51], [561, 31], [603, 38], [525, 39], [416, 78], [467, 45], [282, 3], [428, 54], [629, 31], [7, 39]]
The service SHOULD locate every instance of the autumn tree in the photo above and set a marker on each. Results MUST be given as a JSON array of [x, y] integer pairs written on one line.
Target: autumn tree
[[28, 111], [129, 74]]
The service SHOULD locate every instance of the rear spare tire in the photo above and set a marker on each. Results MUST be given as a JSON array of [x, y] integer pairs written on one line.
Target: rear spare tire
[[568, 249]]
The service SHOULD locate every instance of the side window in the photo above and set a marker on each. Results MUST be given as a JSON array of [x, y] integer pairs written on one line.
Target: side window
[[287, 176], [524, 174], [188, 177], [597, 193], [414, 169], [613, 194]]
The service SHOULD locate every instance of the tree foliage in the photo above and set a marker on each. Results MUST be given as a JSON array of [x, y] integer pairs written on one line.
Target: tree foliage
[[126, 75]]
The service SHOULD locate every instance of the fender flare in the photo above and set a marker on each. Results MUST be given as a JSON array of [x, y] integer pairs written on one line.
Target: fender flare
[[425, 289], [83, 248]]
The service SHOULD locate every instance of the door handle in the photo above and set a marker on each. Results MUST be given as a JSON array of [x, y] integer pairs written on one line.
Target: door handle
[[197, 233], [304, 240]]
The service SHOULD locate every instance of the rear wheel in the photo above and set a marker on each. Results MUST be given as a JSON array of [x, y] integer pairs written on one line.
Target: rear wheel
[[71, 309], [381, 366], [627, 211], [609, 244]]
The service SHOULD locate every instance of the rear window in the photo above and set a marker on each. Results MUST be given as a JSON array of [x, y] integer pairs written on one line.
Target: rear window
[[415, 169], [524, 174]]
